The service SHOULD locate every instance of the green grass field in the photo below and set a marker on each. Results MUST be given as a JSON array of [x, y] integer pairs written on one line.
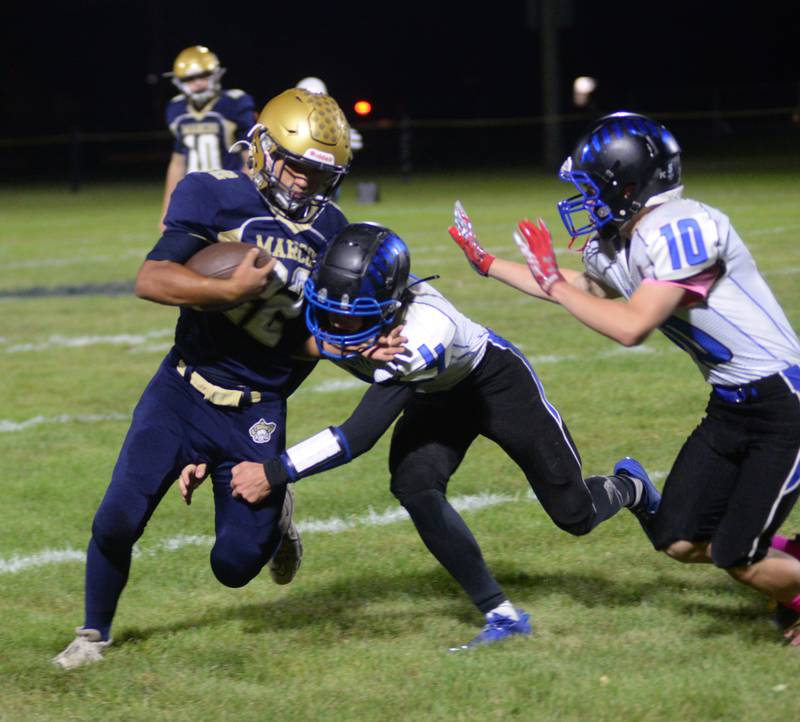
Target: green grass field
[[621, 633]]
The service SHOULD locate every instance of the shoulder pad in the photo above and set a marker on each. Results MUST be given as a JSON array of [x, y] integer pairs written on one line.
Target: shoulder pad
[[234, 93], [680, 239], [430, 336]]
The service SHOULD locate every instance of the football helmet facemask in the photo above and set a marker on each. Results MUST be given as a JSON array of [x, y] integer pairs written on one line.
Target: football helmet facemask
[[197, 62], [299, 152], [622, 164], [356, 289]]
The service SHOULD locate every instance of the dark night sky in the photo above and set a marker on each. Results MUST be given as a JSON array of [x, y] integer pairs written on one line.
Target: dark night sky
[[85, 64]]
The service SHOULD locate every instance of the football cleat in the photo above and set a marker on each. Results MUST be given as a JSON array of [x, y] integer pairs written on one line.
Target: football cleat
[[788, 623], [286, 560], [497, 629], [784, 618], [86, 648], [646, 506]]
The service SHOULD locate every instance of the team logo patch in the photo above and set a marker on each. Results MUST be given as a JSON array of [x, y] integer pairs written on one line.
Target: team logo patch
[[261, 432]]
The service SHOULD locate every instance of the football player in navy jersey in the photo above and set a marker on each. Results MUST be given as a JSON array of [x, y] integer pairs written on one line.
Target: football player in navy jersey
[[657, 260], [206, 120], [455, 380], [221, 391]]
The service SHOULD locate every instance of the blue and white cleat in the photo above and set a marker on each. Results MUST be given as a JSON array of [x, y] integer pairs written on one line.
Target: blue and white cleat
[[497, 629], [645, 508]]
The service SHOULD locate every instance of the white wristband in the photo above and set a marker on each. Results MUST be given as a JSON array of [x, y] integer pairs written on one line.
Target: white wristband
[[314, 451]]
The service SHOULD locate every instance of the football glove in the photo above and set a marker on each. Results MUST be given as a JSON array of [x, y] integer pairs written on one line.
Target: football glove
[[464, 235], [536, 245]]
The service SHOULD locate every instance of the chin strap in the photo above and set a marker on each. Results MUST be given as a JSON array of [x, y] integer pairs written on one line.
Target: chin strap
[[434, 277]]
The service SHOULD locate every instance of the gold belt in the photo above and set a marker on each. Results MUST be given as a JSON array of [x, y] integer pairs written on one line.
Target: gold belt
[[216, 394]]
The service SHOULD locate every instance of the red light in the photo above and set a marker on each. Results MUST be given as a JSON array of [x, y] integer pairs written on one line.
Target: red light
[[363, 107]]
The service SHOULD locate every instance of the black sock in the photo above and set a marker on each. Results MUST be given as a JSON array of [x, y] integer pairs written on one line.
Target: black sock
[[450, 540], [610, 494]]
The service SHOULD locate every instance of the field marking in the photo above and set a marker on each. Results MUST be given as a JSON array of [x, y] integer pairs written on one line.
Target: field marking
[[788, 271], [17, 563], [770, 231], [75, 260], [7, 426], [119, 339], [334, 525]]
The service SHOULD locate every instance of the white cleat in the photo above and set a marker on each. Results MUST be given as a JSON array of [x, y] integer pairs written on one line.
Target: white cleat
[[286, 561], [86, 648]]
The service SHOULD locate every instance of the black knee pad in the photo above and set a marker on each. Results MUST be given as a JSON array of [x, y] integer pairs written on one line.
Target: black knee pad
[[428, 509], [405, 485], [417, 498]]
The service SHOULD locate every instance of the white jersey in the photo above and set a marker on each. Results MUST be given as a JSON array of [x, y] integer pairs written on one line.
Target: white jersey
[[738, 333], [444, 346]]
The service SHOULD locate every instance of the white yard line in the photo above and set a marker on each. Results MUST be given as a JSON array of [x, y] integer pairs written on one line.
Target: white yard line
[[75, 260], [7, 426], [17, 563], [333, 525], [119, 339]]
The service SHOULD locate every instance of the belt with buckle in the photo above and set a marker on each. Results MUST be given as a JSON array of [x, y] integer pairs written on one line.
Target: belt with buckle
[[214, 394]]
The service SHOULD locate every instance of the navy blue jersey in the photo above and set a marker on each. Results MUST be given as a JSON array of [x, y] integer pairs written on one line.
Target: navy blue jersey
[[250, 345], [205, 135]]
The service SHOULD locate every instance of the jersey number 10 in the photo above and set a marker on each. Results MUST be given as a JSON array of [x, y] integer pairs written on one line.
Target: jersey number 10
[[694, 250], [204, 153]]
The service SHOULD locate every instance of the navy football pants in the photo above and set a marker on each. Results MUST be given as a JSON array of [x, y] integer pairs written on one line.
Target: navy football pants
[[173, 426]]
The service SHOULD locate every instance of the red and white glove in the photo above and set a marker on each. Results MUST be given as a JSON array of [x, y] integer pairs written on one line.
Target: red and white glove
[[536, 245], [464, 235]]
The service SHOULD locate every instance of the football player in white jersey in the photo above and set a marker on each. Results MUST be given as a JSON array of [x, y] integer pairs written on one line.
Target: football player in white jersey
[[681, 267], [455, 381]]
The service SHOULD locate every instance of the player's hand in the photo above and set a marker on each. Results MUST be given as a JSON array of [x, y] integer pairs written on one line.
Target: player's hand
[[249, 482], [536, 245], [464, 235], [191, 477], [249, 281], [388, 346], [356, 141]]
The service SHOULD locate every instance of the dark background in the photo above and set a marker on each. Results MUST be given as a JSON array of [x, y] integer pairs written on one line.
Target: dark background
[[713, 70]]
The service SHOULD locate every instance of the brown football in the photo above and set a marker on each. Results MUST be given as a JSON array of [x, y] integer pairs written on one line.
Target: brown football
[[219, 260]]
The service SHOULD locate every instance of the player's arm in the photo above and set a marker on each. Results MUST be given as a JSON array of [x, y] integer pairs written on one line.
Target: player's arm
[[175, 171], [512, 274], [384, 349], [627, 322], [518, 276], [332, 447], [172, 284]]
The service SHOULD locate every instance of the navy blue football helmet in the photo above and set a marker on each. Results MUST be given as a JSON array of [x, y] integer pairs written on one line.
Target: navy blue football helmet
[[356, 288], [617, 166]]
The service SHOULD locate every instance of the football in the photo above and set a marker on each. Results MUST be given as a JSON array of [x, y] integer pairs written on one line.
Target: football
[[219, 260]]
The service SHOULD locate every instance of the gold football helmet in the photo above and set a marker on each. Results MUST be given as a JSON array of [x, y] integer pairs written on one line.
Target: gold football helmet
[[197, 62], [299, 152]]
